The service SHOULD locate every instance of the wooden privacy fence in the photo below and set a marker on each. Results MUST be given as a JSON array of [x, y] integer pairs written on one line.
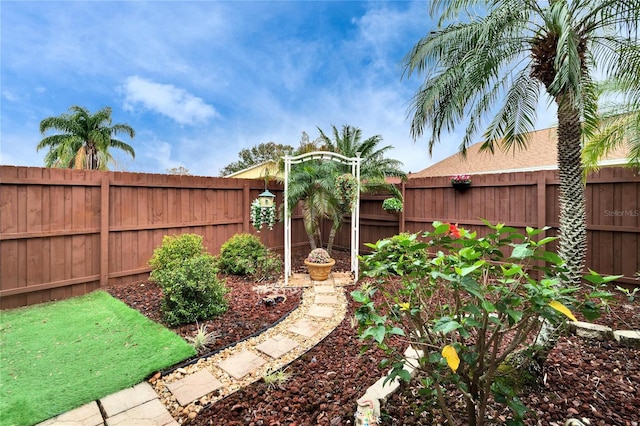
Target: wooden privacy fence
[[521, 200], [67, 232]]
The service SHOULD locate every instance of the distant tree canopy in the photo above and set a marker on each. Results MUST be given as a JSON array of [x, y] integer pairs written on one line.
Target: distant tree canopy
[[84, 139], [181, 171], [256, 155]]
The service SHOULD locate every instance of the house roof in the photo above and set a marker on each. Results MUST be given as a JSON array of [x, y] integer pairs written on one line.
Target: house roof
[[541, 154], [257, 171]]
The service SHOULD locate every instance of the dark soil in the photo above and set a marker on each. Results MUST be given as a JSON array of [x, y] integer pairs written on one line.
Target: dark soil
[[598, 381]]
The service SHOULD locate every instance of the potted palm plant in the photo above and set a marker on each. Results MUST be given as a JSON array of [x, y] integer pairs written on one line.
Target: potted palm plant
[[319, 264]]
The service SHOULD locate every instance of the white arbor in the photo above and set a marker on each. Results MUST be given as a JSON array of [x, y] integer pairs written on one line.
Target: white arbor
[[354, 162]]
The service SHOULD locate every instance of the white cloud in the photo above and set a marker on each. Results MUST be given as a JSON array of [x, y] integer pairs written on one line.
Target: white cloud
[[10, 96], [166, 99]]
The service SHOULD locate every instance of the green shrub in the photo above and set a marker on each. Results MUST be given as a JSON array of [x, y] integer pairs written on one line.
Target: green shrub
[[399, 255], [192, 291], [240, 254], [188, 278], [173, 252], [469, 308], [269, 267]]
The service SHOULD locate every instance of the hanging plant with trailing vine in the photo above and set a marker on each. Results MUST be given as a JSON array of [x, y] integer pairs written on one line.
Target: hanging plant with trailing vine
[[261, 216], [346, 187]]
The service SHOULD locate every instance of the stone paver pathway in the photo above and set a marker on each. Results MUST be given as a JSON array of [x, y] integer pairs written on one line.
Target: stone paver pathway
[[170, 401]]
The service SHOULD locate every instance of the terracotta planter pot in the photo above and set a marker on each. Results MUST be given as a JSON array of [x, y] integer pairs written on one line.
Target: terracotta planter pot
[[319, 271]]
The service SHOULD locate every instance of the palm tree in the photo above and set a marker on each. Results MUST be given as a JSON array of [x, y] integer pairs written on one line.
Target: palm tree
[[620, 125], [313, 182], [85, 139], [374, 168], [501, 57], [310, 184]]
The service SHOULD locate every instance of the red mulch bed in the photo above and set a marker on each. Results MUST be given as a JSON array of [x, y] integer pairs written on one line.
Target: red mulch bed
[[598, 381]]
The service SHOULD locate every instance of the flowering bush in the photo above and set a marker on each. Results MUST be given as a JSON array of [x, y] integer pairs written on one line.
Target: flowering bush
[[471, 306], [461, 179], [318, 255], [261, 216]]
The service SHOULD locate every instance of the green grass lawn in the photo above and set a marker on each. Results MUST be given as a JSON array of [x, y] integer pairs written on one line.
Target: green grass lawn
[[58, 356]]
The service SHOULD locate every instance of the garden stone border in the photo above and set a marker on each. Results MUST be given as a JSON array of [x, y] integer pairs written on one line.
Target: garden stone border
[[368, 411]]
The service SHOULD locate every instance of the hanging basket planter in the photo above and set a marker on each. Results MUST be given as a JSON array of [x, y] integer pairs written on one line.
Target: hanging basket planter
[[461, 186], [262, 215], [461, 182]]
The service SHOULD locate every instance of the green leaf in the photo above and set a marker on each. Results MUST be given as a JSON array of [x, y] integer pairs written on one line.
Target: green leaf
[[546, 240], [359, 296], [590, 311], [473, 310], [396, 330], [488, 306], [440, 228], [404, 375], [521, 251], [377, 333], [446, 326], [513, 269], [552, 257], [515, 315], [469, 269], [595, 278], [471, 286]]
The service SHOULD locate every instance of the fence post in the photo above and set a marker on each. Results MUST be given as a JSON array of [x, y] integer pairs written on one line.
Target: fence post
[[246, 206], [541, 220], [401, 225], [104, 229]]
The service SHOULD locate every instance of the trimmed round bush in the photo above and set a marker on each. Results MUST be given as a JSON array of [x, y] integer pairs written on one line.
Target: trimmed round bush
[[192, 291], [175, 249], [187, 275], [242, 254]]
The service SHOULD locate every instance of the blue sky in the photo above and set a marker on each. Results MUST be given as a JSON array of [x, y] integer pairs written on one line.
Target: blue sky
[[200, 80]]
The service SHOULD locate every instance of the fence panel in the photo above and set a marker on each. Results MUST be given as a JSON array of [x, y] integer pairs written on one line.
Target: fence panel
[[521, 200], [67, 232]]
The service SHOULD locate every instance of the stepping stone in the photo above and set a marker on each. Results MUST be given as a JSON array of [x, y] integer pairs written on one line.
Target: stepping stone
[[320, 311], [342, 278], [330, 299], [127, 399], [241, 364], [324, 289], [630, 338], [305, 327], [590, 331], [277, 346], [151, 413], [87, 415], [194, 386]]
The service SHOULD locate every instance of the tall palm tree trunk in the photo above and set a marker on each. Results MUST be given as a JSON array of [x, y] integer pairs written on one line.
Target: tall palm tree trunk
[[573, 218], [572, 242]]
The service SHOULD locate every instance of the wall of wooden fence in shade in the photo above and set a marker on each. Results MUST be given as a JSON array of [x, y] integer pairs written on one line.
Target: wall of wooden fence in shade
[[67, 232]]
